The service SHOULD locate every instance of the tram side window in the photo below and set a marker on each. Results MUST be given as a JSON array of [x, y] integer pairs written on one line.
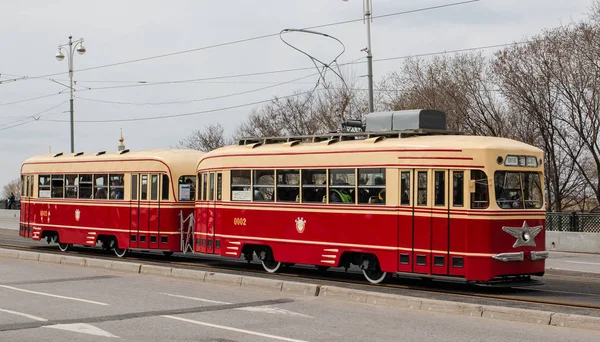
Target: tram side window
[[264, 185], [30, 193], [22, 186], [314, 186], [100, 186], [371, 186], [458, 188], [117, 186], [154, 187], [219, 186], [187, 188], [342, 183], [405, 188], [165, 188], [205, 185], [240, 185], [422, 188], [288, 185], [85, 186], [44, 186], [70, 186], [57, 186], [134, 187], [440, 188], [480, 198]]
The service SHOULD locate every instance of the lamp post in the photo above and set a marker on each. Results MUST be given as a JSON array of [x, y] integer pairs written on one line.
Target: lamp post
[[73, 45], [367, 12]]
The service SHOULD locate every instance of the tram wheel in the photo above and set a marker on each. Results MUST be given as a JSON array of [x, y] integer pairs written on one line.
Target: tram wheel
[[270, 265], [168, 254], [375, 276], [322, 268], [64, 246], [120, 252]]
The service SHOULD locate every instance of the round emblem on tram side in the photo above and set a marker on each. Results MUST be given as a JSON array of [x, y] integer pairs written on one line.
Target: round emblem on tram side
[[77, 214], [300, 224]]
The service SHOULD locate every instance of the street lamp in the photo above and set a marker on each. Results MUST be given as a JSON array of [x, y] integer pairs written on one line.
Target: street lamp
[[367, 12], [73, 45]]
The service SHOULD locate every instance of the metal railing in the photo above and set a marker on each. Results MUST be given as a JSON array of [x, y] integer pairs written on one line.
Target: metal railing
[[573, 222]]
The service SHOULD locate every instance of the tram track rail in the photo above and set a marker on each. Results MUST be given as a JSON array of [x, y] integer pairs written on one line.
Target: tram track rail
[[453, 291]]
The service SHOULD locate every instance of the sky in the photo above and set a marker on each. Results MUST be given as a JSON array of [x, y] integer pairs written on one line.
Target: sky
[[208, 83]]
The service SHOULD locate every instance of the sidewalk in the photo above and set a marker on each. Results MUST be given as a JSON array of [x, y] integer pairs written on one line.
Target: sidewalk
[[577, 262]]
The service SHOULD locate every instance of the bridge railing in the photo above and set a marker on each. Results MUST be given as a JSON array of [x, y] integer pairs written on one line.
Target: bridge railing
[[573, 222]]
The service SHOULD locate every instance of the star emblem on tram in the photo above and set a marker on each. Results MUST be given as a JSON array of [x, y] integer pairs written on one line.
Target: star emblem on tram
[[525, 235]]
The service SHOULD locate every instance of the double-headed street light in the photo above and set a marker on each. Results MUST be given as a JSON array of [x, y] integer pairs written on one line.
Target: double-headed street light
[[367, 12], [73, 45]]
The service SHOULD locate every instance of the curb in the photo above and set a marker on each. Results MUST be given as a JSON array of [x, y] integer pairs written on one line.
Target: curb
[[321, 291]]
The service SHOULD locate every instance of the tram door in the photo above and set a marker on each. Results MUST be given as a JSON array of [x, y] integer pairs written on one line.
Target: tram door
[[208, 213], [405, 222], [24, 218], [140, 211], [422, 217], [153, 212], [440, 221]]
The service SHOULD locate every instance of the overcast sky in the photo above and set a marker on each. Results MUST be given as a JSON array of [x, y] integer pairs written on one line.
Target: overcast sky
[[119, 31]]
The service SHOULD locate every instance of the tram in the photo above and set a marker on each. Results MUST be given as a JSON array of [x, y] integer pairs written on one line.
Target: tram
[[403, 196], [122, 201]]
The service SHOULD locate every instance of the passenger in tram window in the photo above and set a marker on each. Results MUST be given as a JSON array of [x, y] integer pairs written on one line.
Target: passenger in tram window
[[116, 192], [340, 195], [100, 194], [381, 195]]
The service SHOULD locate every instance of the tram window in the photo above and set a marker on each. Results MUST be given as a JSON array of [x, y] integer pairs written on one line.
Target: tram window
[[480, 198], [85, 186], [134, 187], [219, 186], [314, 186], [405, 188], [422, 188], [30, 185], [264, 185], [22, 185], [518, 190], [532, 190], [440, 188], [288, 185], [187, 188], [57, 186], [211, 187], [70, 186], [116, 186], [204, 186], [153, 187], [165, 188], [342, 184], [240, 185], [44, 186], [371, 186], [144, 188], [458, 188], [100, 186]]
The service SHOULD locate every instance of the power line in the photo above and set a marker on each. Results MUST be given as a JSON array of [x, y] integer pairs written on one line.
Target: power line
[[29, 99], [31, 118], [252, 39], [184, 114], [198, 100]]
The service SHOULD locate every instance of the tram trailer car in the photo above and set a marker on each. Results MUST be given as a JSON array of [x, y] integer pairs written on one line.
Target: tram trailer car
[[122, 200], [403, 196]]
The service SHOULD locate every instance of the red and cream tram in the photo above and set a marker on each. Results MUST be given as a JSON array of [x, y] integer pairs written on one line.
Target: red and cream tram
[[404, 196], [124, 200]]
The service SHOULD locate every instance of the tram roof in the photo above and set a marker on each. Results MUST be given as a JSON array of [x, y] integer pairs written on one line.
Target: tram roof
[[168, 156], [438, 142]]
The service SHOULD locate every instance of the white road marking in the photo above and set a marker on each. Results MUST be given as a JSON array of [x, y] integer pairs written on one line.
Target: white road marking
[[582, 262], [82, 328], [35, 318], [249, 332], [263, 309], [53, 295]]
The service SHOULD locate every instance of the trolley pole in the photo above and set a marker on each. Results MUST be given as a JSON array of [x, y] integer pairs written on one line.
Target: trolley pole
[[73, 46]]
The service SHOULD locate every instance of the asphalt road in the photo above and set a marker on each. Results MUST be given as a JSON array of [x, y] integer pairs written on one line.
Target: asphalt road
[[567, 291], [59, 302]]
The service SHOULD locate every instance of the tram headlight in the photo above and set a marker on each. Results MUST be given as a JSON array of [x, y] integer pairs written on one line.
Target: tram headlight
[[526, 236]]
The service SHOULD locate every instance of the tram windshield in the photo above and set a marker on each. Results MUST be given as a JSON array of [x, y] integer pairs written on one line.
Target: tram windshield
[[518, 190]]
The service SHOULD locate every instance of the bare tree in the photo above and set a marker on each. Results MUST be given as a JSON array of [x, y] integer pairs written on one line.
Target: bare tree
[[13, 187], [212, 137]]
